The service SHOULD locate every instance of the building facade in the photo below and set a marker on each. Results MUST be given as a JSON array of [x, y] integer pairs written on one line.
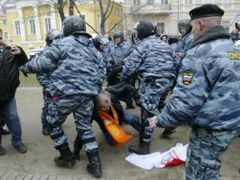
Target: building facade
[[166, 13], [26, 22]]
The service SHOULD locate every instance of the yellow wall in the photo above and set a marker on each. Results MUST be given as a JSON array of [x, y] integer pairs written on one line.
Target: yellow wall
[[90, 10], [27, 14], [44, 11]]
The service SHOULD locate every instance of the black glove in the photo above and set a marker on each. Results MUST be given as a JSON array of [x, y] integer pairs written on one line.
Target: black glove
[[23, 70]]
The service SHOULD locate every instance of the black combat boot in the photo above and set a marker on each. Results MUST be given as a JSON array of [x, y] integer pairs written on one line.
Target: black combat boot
[[66, 157], [142, 148], [77, 147], [94, 166]]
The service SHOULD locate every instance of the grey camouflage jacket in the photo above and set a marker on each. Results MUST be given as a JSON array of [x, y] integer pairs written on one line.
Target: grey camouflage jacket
[[150, 59], [76, 66], [207, 94], [119, 53]]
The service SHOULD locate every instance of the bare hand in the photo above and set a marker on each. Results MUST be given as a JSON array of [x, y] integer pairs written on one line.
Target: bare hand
[[152, 122], [15, 49], [125, 61], [179, 54]]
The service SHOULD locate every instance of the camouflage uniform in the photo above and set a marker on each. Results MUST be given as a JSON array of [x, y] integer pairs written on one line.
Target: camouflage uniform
[[106, 52], [119, 53], [207, 97], [183, 45], [43, 79], [77, 75], [152, 60]]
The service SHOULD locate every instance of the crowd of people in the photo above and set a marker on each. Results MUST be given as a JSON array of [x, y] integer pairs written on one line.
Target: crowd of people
[[199, 69]]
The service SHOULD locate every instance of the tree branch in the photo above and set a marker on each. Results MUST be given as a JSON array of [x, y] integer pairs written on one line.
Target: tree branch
[[100, 6], [132, 12], [109, 12], [85, 20], [107, 7]]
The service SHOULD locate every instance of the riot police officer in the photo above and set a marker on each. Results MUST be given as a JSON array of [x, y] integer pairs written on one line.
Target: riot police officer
[[206, 95], [77, 75], [152, 60], [184, 27], [43, 79]]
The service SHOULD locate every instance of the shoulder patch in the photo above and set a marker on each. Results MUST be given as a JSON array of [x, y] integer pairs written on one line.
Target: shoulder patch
[[234, 55], [187, 77]]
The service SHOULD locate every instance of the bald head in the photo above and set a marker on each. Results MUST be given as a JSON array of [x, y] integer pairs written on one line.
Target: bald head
[[104, 100]]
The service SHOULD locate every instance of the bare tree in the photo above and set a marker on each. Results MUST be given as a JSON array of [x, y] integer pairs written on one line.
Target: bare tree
[[60, 7], [71, 7], [129, 14], [60, 4], [85, 20], [105, 12]]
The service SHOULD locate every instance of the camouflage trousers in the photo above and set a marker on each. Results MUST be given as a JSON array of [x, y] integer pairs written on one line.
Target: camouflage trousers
[[152, 96], [153, 93], [205, 148], [46, 103], [82, 107]]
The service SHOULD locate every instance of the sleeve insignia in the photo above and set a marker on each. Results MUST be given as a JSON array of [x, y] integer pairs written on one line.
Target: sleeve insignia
[[187, 77]]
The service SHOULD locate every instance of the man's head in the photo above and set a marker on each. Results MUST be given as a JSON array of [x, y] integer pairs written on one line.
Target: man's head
[[98, 43], [205, 17], [184, 26], [74, 25], [118, 38], [52, 35], [104, 100], [145, 29], [1, 37], [164, 38]]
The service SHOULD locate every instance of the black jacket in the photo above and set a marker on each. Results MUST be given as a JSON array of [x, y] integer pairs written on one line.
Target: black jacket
[[9, 73]]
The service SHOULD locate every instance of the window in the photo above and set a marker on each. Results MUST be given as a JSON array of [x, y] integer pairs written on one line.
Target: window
[[17, 28], [227, 1], [6, 35], [188, 1], [32, 26], [160, 28], [164, 1], [150, 2], [209, 1], [3, 21], [138, 2], [47, 24]]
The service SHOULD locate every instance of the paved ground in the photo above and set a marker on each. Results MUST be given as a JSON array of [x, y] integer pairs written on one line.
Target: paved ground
[[38, 164]]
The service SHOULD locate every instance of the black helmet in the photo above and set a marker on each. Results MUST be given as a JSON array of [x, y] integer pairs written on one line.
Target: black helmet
[[173, 39], [184, 24], [51, 35], [118, 35], [145, 29], [74, 25], [98, 42]]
